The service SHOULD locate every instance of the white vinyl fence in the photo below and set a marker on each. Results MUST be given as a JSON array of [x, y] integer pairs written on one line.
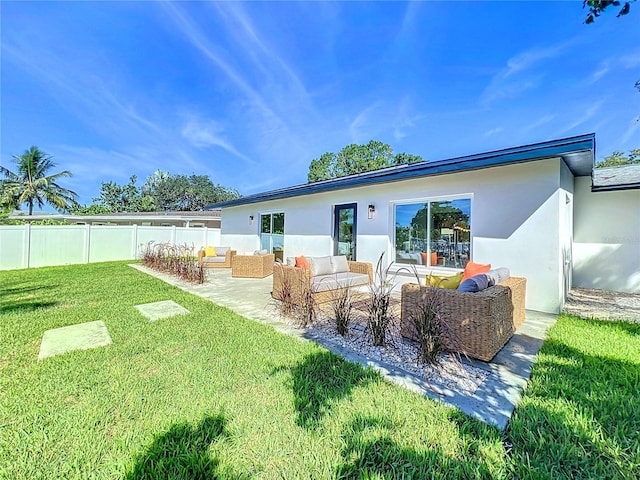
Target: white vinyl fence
[[28, 246]]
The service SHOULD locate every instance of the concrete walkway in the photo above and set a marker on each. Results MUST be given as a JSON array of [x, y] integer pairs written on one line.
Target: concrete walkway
[[493, 402]]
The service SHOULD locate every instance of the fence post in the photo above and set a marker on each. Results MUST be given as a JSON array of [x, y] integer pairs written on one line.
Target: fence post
[[134, 242], [87, 243], [173, 234], [26, 254]]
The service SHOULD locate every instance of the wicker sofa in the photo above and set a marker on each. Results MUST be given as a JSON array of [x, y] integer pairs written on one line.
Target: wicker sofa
[[222, 259], [253, 266], [297, 281], [479, 324]]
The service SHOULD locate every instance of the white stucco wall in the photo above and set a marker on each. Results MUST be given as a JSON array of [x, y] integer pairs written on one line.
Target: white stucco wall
[[516, 211], [606, 250]]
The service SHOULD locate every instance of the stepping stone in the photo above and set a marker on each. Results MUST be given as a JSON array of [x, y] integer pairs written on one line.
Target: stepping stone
[[165, 309], [82, 336]]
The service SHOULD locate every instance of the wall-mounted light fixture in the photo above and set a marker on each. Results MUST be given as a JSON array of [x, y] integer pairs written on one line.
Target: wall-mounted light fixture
[[371, 210], [250, 219]]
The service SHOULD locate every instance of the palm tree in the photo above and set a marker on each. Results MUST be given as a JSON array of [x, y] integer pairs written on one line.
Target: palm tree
[[32, 185]]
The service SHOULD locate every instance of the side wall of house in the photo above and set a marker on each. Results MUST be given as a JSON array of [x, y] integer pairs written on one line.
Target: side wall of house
[[515, 213], [606, 239]]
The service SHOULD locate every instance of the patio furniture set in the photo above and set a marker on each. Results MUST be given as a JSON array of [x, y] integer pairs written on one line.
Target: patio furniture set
[[479, 323], [258, 265]]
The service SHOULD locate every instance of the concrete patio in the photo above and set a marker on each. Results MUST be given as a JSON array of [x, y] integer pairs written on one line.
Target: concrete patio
[[494, 400]]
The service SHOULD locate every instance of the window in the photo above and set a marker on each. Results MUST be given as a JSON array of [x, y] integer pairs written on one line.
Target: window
[[272, 232], [434, 233]]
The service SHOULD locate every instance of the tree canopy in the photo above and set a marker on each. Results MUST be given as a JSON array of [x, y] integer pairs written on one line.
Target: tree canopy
[[33, 184], [187, 193], [597, 7], [354, 159], [618, 159], [162, 191]]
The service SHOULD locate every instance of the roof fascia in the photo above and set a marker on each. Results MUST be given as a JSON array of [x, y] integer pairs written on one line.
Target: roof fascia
[[552, 149]]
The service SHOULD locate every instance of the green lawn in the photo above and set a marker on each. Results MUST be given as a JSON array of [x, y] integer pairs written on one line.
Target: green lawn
[[213, 395]]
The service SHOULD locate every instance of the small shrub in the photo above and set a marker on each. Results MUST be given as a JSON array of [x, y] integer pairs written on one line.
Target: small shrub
[[380, 317], [342, 306], [301, 308], [306, 311], [284, 299], [428, 322]]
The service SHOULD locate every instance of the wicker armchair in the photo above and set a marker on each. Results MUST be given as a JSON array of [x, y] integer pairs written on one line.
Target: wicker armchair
[[228, 259], [479, 324], [252, 266], [298, 281]]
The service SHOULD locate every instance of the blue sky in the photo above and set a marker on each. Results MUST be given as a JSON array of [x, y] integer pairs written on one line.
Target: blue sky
[[250, 93]]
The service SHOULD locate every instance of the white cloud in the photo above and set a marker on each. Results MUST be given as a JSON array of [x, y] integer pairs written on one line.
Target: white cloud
[[537, 124], [208, 133], [588, 114], [362, 127], [516, 77], [405, 119], [632, 132], [631, 59], [601, 72], [68, 82], [493, 131]]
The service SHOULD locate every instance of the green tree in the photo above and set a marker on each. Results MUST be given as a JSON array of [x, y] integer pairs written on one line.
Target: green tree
[[354, 159], [618, 159], [116, 198], [161, 192], [182, 193], [597, 7], [33, 185]]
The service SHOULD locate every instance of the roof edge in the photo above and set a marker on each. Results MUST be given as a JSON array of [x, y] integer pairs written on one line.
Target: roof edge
[[525, 153]]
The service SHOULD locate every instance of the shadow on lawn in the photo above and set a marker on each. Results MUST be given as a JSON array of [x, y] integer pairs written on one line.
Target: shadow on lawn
[[370, 452], [23, 298], [579, 418], [320, 380], [183, 452]]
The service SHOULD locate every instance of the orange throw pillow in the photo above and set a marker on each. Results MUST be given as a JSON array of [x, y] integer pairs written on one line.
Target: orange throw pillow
[[303, 263], [473, 269]]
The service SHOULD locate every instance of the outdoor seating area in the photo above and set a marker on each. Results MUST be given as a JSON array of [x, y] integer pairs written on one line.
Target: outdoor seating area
[[322, 277], [216, 257], [478, 324]]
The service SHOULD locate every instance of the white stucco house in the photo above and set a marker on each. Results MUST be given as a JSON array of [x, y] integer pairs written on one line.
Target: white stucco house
[[532, 209]]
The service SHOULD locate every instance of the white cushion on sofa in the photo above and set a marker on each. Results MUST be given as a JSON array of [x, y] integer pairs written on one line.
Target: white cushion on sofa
[[221, 250], [339, 264], [320, 266], [217, 259], [323, 283]]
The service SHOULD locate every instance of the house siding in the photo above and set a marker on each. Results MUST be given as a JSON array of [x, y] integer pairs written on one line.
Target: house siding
[[606, 238], [515, 213]]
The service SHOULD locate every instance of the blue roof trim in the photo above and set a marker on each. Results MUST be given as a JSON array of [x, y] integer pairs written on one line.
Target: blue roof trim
[[577, 152]]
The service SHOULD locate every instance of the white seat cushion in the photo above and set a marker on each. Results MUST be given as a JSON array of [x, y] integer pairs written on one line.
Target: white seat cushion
[[323, 283]]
